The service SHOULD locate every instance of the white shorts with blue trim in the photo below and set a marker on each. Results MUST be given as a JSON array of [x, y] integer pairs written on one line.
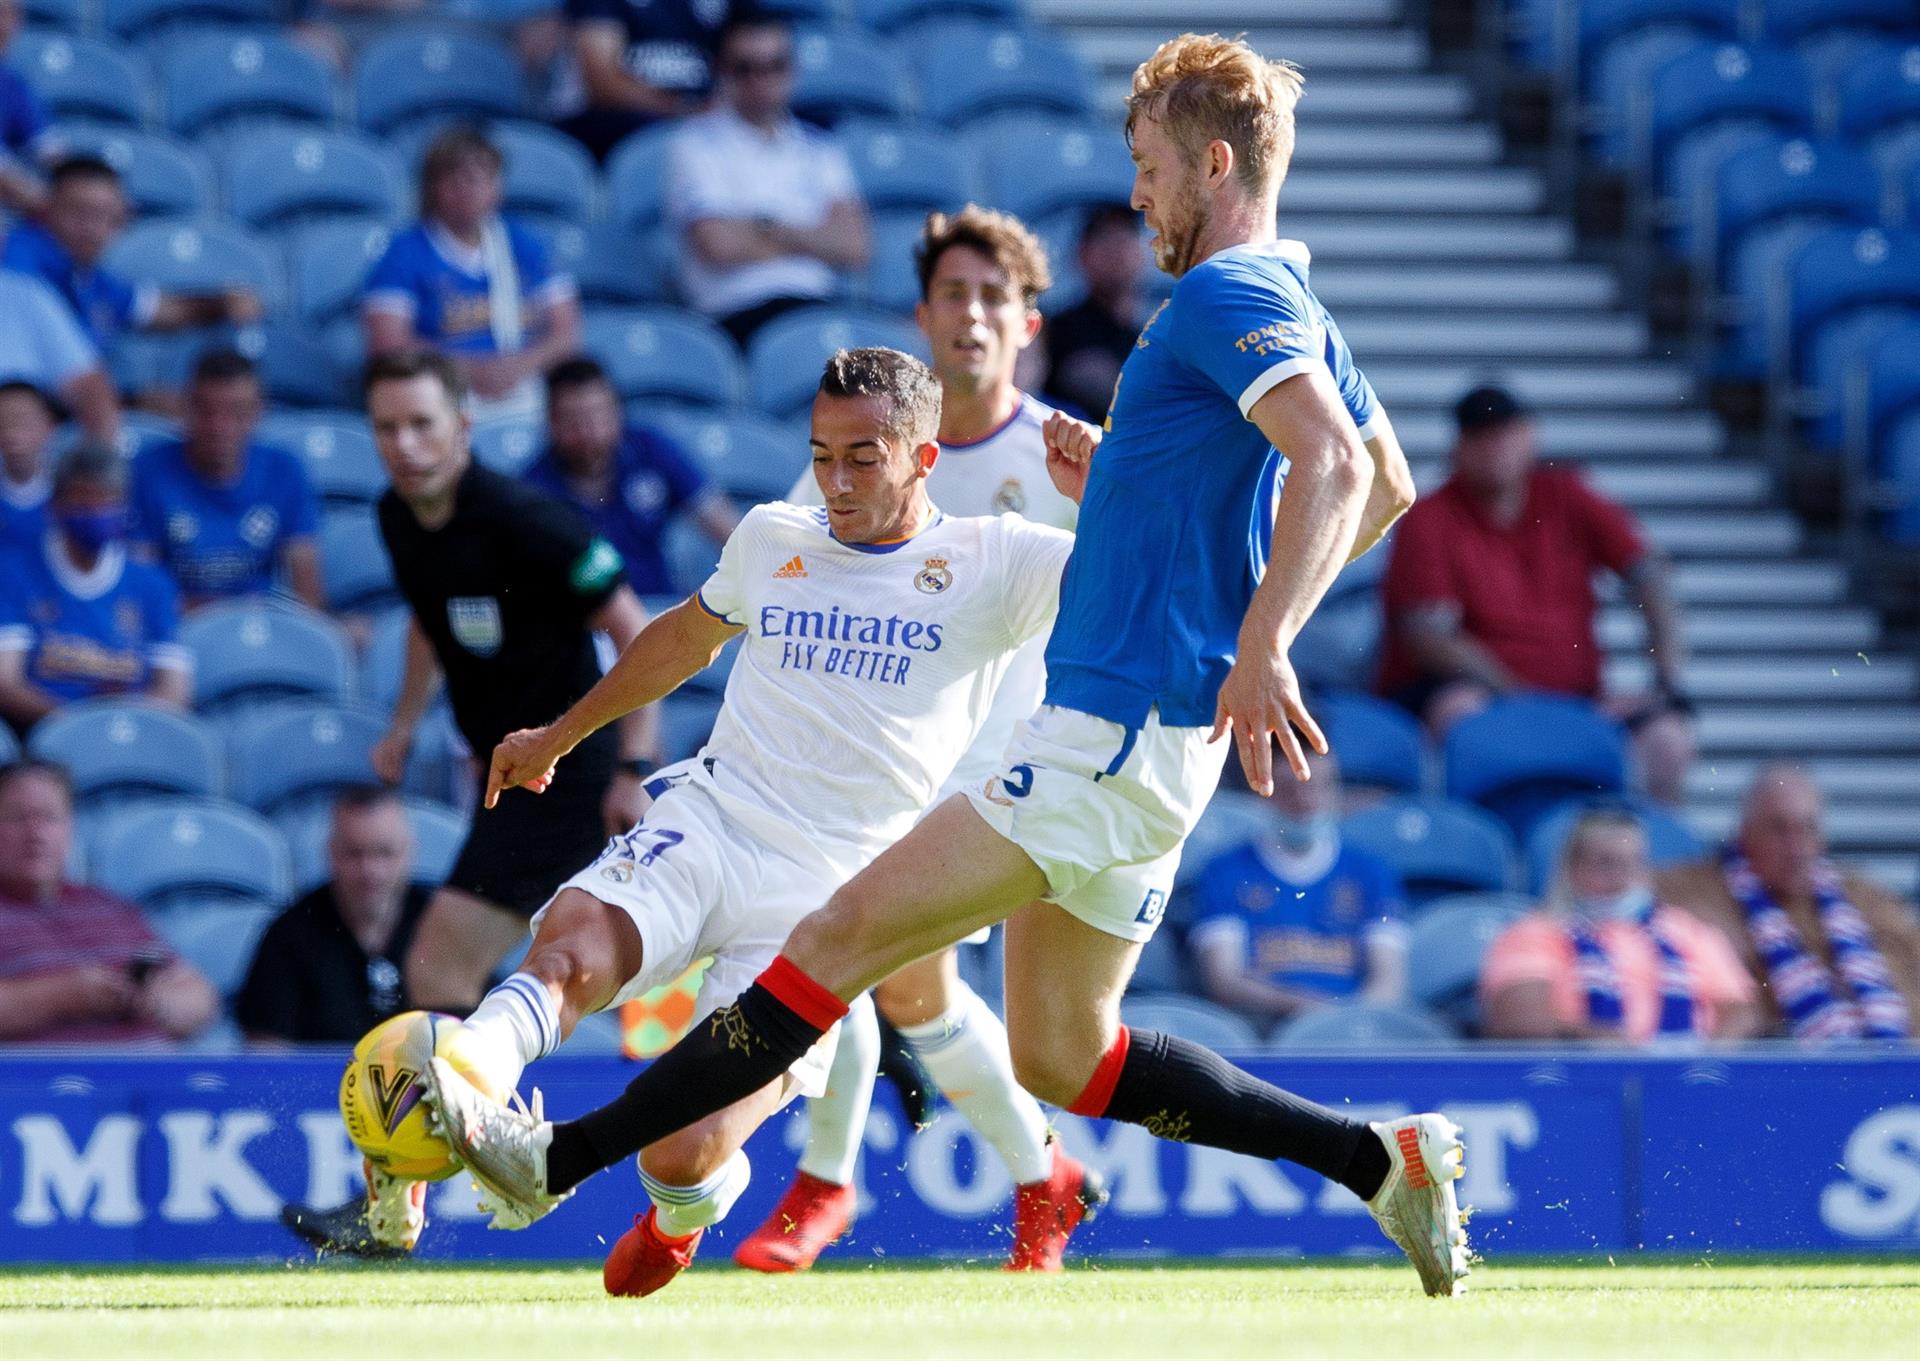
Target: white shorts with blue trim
[[1103, 810]]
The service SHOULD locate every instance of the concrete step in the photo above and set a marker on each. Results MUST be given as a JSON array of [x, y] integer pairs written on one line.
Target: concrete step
[[1857, 828], [1644, 486], [1751, 679], [1898, 873], [1840, 632], [1578, 434], [1115, 50], [1333, 236], [1495, 335], [1760, 582], [1808, 728], [1557, 288], [1502, 189], [1841, 779], [1326, 142], [1707, 534], [1407, 384]]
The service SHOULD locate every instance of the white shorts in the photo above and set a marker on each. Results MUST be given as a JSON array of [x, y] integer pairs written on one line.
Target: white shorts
[[1103, 810], [698, 883]]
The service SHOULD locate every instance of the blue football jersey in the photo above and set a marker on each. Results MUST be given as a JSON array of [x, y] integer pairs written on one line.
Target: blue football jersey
[[1178, 513], [221, 540], [23, 510], [423, 275], [98, 633], [652, 482], [104, 303], [1309, 935]]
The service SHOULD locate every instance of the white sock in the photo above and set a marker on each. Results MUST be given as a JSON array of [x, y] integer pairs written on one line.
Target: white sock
[[518, 1019], [679, 1210], [837, 1121], [965, 1053]]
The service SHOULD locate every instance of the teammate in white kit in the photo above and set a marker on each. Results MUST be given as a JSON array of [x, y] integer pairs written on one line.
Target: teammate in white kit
[[981, 277], [878, 629]]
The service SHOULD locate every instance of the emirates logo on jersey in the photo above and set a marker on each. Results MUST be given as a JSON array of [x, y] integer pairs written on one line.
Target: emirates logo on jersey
[[934, 577]]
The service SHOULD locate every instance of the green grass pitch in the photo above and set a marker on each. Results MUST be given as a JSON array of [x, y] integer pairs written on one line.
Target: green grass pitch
[[1852, 1310]]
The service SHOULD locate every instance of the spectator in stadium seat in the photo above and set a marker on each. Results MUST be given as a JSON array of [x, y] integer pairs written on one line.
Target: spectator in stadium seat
[[1489, 590], [23, 122], [28, 419], [472, 284], [1087, 343], [79, 616], [85, 210], [766, 207], [629, 482], [1606, 959], [1835, 956], [221, 512], [42, 344], [78, 965], [640, 64], [1295, 920], [328, 969]]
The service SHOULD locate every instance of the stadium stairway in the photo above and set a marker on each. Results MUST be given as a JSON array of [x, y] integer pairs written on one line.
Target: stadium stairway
[[1447, 264]]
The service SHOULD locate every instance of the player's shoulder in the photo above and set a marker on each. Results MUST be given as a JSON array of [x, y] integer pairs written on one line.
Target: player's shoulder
[[1011, 531], [1272, 269], [779, 519]]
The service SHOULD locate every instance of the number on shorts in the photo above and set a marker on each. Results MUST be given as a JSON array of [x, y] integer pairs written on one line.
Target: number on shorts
[[1153, 908]]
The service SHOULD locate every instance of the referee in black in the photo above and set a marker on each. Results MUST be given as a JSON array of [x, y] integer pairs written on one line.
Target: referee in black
[[507, 586]]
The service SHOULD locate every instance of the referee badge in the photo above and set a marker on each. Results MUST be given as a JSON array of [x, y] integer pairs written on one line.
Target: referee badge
[[474, 621], [934, 577]]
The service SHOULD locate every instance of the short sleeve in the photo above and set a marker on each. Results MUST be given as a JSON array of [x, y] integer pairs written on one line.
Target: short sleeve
[[724, 596], [300, 508], [540, 282], [163, 624], [1419, 567], [696, 181], [837, 182], [393, 285], [1035, 556], [64, 350], [1611, 535], [1529, 951], [564, 554], [1388, 893], [1246, 333]]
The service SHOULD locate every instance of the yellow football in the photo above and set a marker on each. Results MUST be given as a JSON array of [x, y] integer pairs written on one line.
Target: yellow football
[[382, 1093]]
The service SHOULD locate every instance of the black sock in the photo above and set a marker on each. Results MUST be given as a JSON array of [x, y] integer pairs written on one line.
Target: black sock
[[729, 1056], [1180, 1091]]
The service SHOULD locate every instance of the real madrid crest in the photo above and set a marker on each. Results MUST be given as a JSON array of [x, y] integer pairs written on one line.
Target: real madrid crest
[[619, 871], [934, 577]]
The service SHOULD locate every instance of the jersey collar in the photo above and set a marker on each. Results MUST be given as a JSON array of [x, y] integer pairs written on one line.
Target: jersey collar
[[29, 494], [961, 446], [1293, 252], [471, 261], [883, 545], [1299, 870], [91, 584]]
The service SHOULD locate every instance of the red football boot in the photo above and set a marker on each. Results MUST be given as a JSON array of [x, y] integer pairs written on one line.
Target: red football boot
[[1045, 1213], [808, 1220], [645, 1259]]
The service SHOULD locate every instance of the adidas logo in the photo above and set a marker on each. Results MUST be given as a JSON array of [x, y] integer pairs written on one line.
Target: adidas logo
[[794, 568], [1416, 1166]]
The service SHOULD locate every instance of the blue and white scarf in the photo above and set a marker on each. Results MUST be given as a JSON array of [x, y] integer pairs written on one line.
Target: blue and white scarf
[[1816, 1006], [1601, 978]]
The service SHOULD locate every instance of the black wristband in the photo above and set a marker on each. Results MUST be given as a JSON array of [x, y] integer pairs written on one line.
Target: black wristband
[[639, 767]]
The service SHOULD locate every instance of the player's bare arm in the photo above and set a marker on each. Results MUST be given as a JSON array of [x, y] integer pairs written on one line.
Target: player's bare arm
[[1391, 494], [1313, 535], [622, 618], [672, 647]]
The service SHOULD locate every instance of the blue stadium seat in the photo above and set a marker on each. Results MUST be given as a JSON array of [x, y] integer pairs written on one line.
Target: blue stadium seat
[[1889, 388], [219, 938], [887, 16], [798, 11], [1898, 462], [974, 71], [194, 256], [68, 15], [161, 176], [299, 755], [354, 562], [1878, 93], [212, 79], [1439, 846], [422, 74], [749, 456], [438, 834], [892, 280], [296, 366], [912, 167], [1837, 353], [1790, 21], [339, 454], [83, 77], [176, 850], [1365, 1029], [131, 19], [1786, 179], [1445, 947], [1523, 755], [1711, 86], [277, 176], [1194, 1019], [636, 179], [686, 721], [1036, 166], [846, 73], [664, 353], [1839, 270], [508, 446], [1669, 840], [1379, 744], [611, 264], [248, 653], [328, 263], [1602, 23], [787, 354], [116, 749], [1229, 819], [548, 173], [1339, 649]]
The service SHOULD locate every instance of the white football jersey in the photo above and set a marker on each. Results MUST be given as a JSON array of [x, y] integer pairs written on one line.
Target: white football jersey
[[867, 669], [1003, 473]]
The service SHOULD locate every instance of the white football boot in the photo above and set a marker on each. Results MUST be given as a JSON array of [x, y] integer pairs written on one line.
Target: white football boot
[[1415, 1205], [396, 1209], [505, 1149]]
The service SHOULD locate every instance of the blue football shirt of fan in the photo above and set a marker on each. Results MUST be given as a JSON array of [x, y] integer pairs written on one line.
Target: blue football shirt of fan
[[99, 632], [1308, 935], [104, 303], [23, 118], [652, 482], [219, 541], [443, 287], [1178, 514], [23, 510]]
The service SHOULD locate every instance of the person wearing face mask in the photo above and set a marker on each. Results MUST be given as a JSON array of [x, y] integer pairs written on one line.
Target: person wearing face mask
[[78, 616], [1295, 920], [1605, 960]]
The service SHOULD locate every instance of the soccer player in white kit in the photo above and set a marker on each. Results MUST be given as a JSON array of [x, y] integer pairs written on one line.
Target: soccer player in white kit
[[877, 631], [981, 277]]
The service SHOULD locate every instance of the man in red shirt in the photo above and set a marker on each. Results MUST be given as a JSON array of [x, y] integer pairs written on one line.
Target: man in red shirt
[[77, 965], [1490, 590]]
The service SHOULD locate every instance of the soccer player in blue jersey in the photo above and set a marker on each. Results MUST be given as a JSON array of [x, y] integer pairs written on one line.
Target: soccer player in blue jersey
[[1191, 577]]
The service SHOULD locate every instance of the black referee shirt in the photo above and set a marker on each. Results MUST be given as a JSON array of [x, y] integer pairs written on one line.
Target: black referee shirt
[[504, 592], [311, 983]]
